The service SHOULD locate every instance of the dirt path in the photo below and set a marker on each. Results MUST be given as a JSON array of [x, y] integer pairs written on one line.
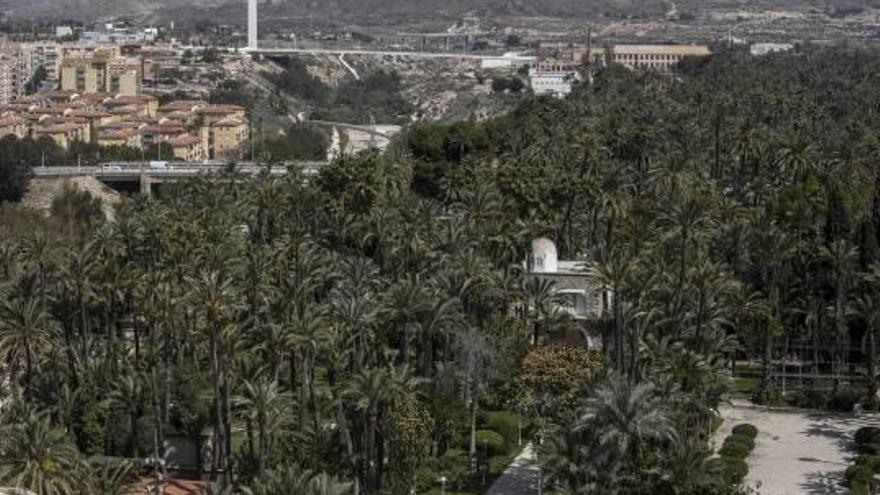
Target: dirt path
[[520, 478], [796, 452]]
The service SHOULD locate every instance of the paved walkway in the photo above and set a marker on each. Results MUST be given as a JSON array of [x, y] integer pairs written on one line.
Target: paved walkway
[[520, 478], [796, 452]]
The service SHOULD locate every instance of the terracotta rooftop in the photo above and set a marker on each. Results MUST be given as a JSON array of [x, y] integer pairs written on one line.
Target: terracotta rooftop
[[122, 125], [164, 129], [12, 120], [119, 135], [185, 140], [228, 122], [88, 114], [57, 129], [220, 109], [182, 105]]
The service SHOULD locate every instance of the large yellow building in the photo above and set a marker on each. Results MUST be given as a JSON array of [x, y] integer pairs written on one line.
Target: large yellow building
[[101, 72], [187, 148], [224, 138], [13, 125], [63, 134]]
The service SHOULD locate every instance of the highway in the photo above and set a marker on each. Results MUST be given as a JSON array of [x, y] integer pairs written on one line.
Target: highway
[[133, 170]]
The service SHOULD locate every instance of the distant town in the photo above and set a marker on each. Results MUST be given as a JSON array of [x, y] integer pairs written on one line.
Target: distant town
[[117, 86]]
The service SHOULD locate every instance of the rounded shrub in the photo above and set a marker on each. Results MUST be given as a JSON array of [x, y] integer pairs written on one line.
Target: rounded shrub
[[735, 470], [746, 429], [867, 440], [734, 450], [493, 441], [747, 441]]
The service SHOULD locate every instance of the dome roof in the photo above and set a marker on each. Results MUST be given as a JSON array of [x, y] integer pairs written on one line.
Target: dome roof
[[544, 256]]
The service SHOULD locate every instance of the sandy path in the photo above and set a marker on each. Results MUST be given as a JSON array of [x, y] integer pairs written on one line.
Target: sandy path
[[796, 452], [520, 478]]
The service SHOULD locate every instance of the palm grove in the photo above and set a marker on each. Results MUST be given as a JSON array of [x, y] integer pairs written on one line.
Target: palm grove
[[347, 332]]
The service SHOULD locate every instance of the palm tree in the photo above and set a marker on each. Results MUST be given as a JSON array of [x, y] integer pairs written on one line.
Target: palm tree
[[613, 274], [541, 300], [215, 296], [868, 307], [369, 391], [37, 457], [294, 480], [842, 257], [112, 479], [625, 418], [24, 335], [128, 395], [263, 406]]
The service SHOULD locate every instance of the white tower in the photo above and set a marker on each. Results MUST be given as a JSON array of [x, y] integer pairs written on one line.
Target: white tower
[[252, 24]]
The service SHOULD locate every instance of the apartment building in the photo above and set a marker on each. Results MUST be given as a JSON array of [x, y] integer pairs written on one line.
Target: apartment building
[[14, 73], [224, 138], [101, 71]]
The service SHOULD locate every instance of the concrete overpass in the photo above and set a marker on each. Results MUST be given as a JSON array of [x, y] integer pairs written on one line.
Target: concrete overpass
[[144, 176], [511, 59]]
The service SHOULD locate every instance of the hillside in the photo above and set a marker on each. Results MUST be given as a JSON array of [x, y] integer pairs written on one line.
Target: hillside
[[380, 11], [349, 10]]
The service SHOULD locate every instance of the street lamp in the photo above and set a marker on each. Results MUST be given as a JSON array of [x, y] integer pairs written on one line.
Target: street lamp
[[442, 481]]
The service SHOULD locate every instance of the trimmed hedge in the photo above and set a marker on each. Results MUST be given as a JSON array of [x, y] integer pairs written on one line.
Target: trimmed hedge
[[747, 441], [732, 465], [493, 441], [735, 470], [746, 429], [734, 450]]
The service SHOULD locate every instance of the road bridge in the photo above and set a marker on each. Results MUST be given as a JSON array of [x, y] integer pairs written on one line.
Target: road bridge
[[145, 176], [514, 59]]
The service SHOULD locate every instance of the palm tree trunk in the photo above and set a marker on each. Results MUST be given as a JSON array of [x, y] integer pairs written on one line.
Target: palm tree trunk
[[135, 434], [472, 448], [872, 367], [219, 432]]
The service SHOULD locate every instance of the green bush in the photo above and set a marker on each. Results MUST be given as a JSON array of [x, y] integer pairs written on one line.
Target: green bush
[[734, 450], [426, 479], [493, 441], [507, 424], [747, 441], [746, 429], [859, 475], [735, 470], [867, 440], [872, 462], [860, 489], [844, 399]]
